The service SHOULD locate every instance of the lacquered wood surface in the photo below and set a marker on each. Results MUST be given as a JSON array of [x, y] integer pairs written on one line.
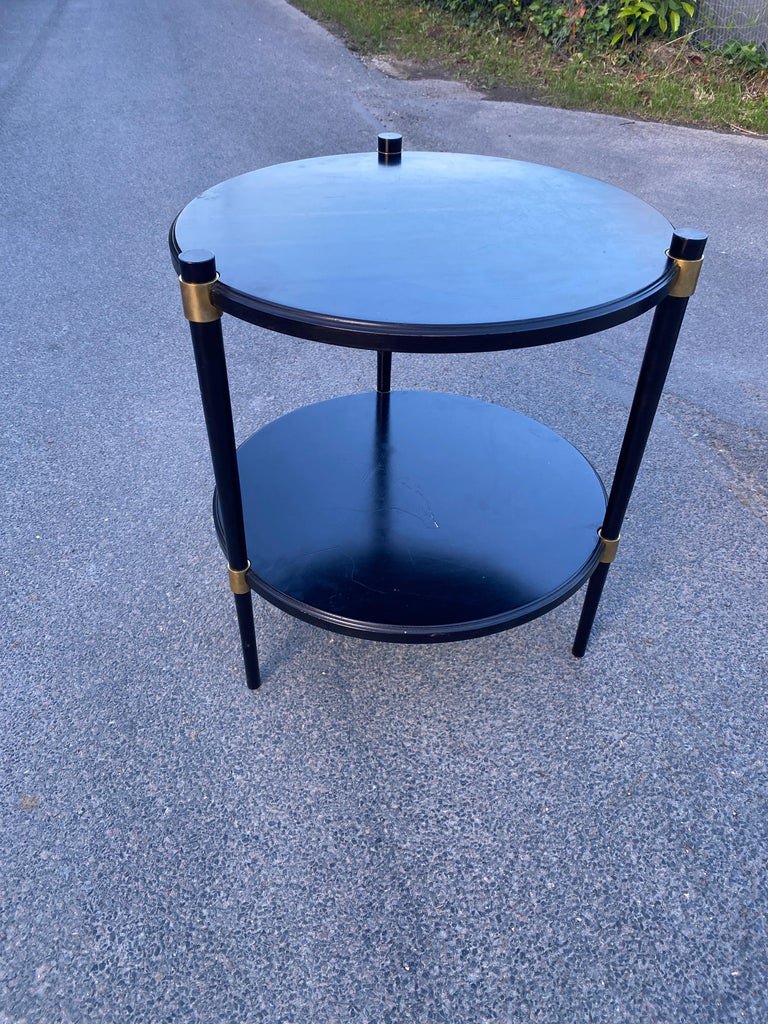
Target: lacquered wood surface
[[419, 517], [440, 252]]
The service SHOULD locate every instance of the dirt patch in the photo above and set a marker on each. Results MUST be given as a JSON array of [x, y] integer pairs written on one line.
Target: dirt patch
[[411, 70], [434, 71], [509, 94]]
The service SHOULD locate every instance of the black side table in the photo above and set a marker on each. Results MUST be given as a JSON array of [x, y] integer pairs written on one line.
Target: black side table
[[421, 517]]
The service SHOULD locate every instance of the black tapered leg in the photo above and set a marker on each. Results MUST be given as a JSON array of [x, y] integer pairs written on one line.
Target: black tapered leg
[[687, 249], [589, 608], [198, 268], [244, 609]]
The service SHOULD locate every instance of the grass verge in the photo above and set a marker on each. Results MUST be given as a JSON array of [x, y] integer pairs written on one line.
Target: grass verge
[[659, 81]]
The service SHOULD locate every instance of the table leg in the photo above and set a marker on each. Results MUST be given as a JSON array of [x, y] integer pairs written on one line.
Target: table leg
[[198, 275], [383, 372], [686, 250]]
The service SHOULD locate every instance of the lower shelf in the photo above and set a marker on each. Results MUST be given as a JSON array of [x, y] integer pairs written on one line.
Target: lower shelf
[[416, 517]]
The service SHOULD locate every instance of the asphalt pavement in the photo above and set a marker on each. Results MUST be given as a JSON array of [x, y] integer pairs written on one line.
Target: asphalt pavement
[[488, 832]]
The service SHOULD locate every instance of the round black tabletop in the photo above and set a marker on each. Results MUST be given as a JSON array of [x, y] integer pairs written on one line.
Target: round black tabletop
[[438, 252]]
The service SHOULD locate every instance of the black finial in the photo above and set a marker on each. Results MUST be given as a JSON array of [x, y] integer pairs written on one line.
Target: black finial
[[197, 266], [390, 148], [687, 244]]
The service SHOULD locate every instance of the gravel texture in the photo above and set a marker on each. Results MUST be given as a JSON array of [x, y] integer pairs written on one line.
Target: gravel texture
[[479, 833]]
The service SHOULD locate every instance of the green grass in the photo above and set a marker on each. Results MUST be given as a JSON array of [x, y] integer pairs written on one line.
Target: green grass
[[658, 81]]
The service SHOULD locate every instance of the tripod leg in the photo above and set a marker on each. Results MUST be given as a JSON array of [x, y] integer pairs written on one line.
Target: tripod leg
[[198, 277], [686, 251]]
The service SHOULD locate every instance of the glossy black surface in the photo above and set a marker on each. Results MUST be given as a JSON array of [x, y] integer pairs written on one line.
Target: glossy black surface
[[416, 516], [439, 252], [667, 320], [688, 244], [199, 267], [390, 147]]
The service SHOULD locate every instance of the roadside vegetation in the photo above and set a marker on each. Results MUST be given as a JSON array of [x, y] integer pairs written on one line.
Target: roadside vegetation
[[638, 58]]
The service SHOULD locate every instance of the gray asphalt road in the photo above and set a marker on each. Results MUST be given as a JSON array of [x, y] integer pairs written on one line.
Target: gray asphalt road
[[472, 833]]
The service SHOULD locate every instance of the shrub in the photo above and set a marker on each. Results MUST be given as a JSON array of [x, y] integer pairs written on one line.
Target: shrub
[[580, 22], [651, 17], [749, 56]]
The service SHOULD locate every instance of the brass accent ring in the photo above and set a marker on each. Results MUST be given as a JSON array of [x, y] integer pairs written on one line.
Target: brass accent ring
[[610, 547], [197, 303], [237, 581], [684, 284]]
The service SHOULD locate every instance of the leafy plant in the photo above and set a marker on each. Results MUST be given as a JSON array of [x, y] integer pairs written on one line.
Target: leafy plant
[[549, 20], [641, 17], [599, 23], [507, 12], [750, 56], [503, 12], [575, 22]]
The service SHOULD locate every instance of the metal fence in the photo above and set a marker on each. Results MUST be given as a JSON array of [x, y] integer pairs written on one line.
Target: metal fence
[[720, 21]]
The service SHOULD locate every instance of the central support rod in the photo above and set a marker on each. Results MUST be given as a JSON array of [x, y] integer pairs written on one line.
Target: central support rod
[[383, 372]]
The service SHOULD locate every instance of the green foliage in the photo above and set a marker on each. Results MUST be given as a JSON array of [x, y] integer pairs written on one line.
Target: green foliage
[[503, 12], [656, 17], [599, 23], [549, 20], [579, 23], [749, 56], [560, 22]]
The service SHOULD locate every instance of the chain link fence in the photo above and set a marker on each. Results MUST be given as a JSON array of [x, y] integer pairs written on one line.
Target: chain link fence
[[720, 21]]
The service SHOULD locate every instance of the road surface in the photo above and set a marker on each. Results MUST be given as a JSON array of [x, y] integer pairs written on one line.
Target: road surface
[[481, 833]]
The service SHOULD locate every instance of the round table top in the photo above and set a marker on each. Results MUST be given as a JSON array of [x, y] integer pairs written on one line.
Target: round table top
[[437, 252]]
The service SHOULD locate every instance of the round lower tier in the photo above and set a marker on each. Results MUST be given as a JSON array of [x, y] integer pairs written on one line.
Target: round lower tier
[[416, 517]]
